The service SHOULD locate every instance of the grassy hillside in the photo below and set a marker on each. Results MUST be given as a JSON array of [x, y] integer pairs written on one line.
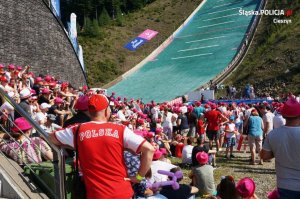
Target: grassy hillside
[[272, 64], [106, 58]]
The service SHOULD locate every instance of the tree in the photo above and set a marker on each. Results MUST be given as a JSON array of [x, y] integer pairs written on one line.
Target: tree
[[104, 18]]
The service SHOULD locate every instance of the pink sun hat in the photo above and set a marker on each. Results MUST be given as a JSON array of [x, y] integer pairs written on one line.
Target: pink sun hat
[[58, 100], [273, 194], [163, 151], [246, 188], [11, 66], [202, 157], [21, 124], [82, 103], [291, 108]]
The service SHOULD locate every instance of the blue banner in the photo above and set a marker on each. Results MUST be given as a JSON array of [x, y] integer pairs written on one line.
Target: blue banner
[[56, 6], [135, 43]]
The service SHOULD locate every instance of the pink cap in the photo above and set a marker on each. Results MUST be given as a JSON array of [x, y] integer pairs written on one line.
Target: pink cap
[[202, 157], [31, 74], [159, 130], [19, 68], [213, 106], [149, 135], [198, 103], [84, 88], [206, 106], [163, 151], [144, 116], [21, 124], [1, 66], [157, 155], [45, 91], [58, 100], [82, 103], [291, 108], [52, 85], [33, 92], [246, 188], [47, 78], [190, 108], [38, 79], [11, 66], [273, 194], [140, 121]]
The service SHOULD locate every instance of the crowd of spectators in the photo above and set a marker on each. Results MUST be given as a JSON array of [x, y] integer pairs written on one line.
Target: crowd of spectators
[[172, 130]]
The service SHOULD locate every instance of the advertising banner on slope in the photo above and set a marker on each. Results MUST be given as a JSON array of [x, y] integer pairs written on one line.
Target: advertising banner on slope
[[148, 34], [135, 43], [56, 6]]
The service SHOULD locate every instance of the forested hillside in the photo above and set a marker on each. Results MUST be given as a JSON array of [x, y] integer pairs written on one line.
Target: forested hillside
[[105, 26]]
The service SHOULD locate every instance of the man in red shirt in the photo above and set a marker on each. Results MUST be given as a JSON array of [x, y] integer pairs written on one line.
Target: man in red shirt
[[214, 118], [100, 146]]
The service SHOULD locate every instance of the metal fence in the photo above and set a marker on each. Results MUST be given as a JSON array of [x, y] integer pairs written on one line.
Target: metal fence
[[58, 156]]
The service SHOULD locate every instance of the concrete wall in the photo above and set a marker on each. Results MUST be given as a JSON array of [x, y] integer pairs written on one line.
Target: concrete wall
[[30, 34]]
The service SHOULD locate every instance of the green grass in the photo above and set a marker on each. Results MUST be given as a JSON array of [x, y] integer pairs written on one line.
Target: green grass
[[106, 58], [238, 167]]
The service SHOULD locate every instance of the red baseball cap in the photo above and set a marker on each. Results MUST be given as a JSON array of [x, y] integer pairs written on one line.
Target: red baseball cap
[[97, 103]]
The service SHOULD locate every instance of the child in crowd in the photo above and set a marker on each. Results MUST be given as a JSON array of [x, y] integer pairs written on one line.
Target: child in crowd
[[201, 127], [203, 175], [164, 155], [142, 190], [230, 133], [226, 189], [246, 188], [179, 147]]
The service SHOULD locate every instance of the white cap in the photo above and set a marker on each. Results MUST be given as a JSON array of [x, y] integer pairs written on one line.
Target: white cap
[[7, 106], [40, 117], [45, 105], [25, 93]]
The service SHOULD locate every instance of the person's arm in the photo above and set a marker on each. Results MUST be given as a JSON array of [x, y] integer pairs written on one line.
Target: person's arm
[[266, 127], [178, 122], [194, 190], [61, 112], [63, 137], [224, 119], [266, 155], [148, 192]]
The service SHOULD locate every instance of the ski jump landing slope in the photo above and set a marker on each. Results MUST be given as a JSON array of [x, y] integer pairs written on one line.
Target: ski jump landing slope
[[203, 47]]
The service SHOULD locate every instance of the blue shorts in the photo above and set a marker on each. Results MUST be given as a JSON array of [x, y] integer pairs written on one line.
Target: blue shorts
[[213, 135], [230, 142]]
